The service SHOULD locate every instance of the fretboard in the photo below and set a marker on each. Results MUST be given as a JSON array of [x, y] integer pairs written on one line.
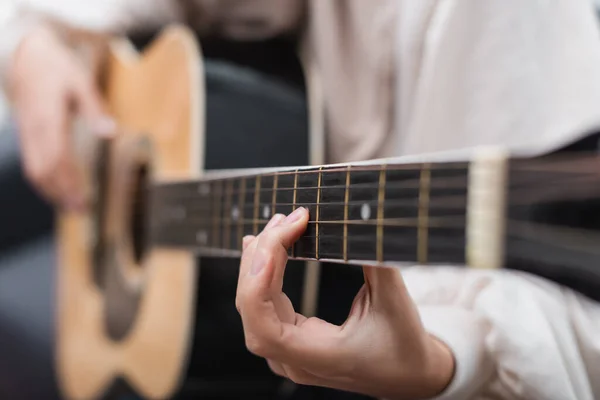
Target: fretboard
[[538, 215], [399, 213]]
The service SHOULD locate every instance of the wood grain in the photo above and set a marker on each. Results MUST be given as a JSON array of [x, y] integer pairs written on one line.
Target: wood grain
[[160, 94]]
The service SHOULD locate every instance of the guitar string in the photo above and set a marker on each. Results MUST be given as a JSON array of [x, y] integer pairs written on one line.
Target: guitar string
[[385, 221], [514, 229], [189, 224], [183, 192], [443, 181], [523, 197], [394, 222], [437, 202], [539, 166], [438, 221], [370, 202], [448, 202], [547, 164], [513, 165], [366, 185]]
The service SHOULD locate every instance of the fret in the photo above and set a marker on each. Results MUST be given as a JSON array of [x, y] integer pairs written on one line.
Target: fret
[[240, 214], [284, 195], [346, 193], [202, 192], [380, 214], [293, 249], [265, 200], [317, 213], [306, 196], [362, 207], [438, 243], [295, 189], [422, 247], [168, 213], [331, 205], [216, 213], [256, 204], [447, 243], [355, 213], [274, 197], [227, 217], [401, 202], [249, 206]]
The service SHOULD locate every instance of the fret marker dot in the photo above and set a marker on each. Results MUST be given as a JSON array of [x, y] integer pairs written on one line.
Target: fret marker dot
[[201, 237], [235, 213], [365, 212], [266, 212]]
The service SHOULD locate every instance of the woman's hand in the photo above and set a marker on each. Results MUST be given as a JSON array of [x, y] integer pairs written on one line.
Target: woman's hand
[[381, 350], [48, 85]]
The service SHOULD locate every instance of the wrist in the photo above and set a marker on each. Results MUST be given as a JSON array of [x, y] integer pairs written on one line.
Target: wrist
[[463, 334], [440, 368], [427, 378]]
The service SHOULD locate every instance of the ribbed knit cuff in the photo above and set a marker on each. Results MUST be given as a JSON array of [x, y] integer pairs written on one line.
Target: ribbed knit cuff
[[464, 333]]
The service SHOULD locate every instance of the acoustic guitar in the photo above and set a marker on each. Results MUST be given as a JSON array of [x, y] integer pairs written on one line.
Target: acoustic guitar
[[111, 337], [127, 267]]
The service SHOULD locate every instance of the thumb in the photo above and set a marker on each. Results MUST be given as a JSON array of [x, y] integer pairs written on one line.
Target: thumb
[[392, 303], [263, 262], [273, 243], [259, 271], [387, 289]]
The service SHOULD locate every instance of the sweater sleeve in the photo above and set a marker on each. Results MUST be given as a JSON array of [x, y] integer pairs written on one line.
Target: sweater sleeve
[[513, 335], [464, 332]]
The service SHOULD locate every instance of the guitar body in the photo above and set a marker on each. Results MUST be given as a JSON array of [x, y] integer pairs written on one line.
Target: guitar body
[[158, 95], [158, 322]]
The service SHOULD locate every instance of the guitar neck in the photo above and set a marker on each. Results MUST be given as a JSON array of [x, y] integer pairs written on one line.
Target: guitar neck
[[423, 213]]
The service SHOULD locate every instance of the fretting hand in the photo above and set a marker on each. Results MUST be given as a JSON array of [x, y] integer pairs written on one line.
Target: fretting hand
[[381, 349]]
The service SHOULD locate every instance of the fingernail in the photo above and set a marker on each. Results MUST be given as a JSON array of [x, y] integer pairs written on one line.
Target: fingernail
[[258, 262], [105, 126], [246, 241], [275, 220], [295, 216]]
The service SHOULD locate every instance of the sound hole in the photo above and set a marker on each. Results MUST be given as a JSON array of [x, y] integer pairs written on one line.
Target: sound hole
[[139, 213]]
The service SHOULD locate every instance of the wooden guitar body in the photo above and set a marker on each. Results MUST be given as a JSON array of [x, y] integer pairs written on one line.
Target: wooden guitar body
[[122, 313], [145, 315]]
